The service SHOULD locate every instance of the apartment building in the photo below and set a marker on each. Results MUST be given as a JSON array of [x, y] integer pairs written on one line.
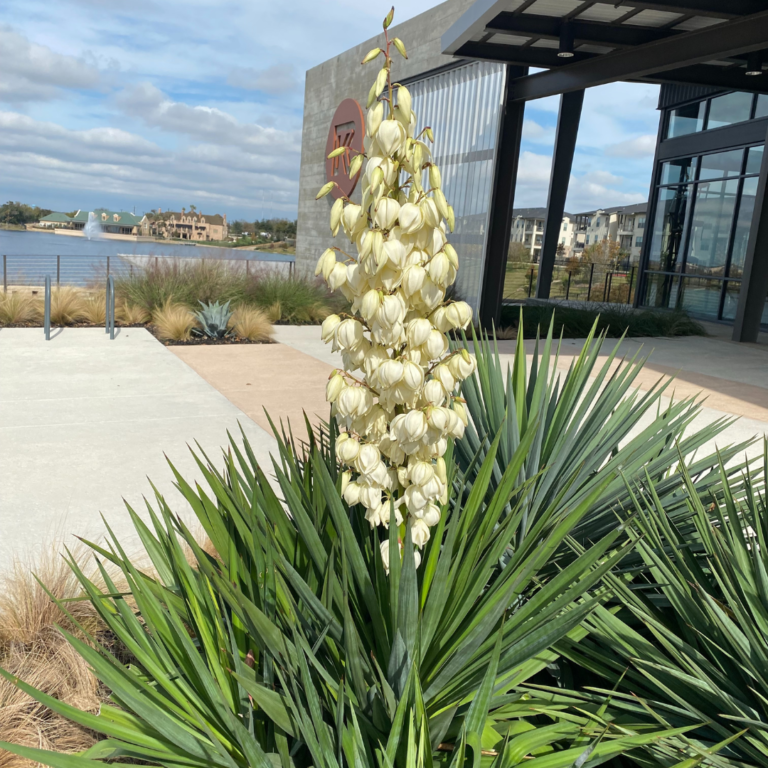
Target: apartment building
[[186, 225]]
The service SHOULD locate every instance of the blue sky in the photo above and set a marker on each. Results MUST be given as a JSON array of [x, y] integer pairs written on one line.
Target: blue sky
[[165, 104]]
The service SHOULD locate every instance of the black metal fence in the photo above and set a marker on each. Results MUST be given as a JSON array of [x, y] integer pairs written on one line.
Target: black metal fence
[[92, 271], [574, 281]]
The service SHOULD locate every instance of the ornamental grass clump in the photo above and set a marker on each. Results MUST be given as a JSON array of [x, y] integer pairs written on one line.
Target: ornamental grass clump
[[396, 398]]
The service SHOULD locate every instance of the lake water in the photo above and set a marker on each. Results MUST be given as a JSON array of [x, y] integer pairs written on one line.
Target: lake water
[[30, 256]]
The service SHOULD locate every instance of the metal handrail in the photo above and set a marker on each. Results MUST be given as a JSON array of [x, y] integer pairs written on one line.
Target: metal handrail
[[47, 319], [110, 307]]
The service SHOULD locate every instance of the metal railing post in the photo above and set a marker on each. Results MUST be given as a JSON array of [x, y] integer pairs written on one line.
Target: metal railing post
[[631, 280], [58, 271], [47, 316], [591, 274], [530, 283], [568, 287], [5, 274], [609, 279], [107, 266], [247, 267], [155, 262], [109, 319]]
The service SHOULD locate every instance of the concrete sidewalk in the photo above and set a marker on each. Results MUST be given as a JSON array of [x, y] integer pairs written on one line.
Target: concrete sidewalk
[[85, 421]]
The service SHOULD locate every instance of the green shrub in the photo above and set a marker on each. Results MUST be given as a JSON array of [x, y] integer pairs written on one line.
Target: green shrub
[[615, 320], [286, 299], [297, 301]]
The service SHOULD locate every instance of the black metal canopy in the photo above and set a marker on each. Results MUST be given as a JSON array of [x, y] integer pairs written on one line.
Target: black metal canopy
[[583, 43]]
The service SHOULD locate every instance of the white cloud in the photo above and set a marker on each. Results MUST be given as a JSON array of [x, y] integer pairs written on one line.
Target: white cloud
[[274, 80], [108, 160], [33, 72], [536, 133], [640, 146], [208, 124]]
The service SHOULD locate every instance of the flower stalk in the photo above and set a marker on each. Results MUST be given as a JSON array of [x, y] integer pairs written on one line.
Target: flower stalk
[[401, 406]]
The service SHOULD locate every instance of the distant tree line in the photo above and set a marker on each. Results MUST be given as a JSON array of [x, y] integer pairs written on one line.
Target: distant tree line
[[20, 213], [276, 229]]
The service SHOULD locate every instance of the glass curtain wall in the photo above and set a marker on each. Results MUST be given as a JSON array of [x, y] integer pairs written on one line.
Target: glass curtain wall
[[463, 107], [704, 209]]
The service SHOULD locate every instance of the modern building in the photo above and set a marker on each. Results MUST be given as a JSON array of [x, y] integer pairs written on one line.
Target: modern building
[[528, 229], [186, 225], [624, 225], [704, 208], [112, 222], [469, 73], [55, 221]]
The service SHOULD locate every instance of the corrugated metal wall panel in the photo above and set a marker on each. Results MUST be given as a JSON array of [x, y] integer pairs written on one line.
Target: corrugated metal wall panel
[[672, 94], [462, 106]]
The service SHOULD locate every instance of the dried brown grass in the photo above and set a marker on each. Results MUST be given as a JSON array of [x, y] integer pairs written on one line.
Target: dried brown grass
[[19, 308], [251, 323], [94, 308], [174, 322], [131, 314], [66, 306], [32, 648]]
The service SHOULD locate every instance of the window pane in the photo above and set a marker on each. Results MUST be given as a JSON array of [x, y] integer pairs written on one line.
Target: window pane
[[678, 171], [661, 291], [729, 109], [762, 106], [743, 224], [732, 290], [722, 164], [668, 229], [711, 228], [687, 119], [755, 159], [700, 296]]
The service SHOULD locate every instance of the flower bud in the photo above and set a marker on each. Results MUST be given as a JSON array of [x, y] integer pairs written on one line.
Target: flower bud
[[431, 515], [390, 373], [414, 426], [325, 263], [347, 450], [440, 202], [419, 533], [453, 257], [390, 136], [403, 96], [440, 321], [438, 268], [413, 279], [431, 215], [436, 346], [438, 419], [370, 497], [351, 217], [352, 494], [386, 211], [443, 374], [370, 304], [390, 312], [336, 210], [415, 500], [434, 177], [413, 376], [338, 276], [421, 472], [461, 365], [334, 387], [461, 412], [384, 547], [374, 119], [367, 459], [418, 331], [349, 334], [328, 328], [394, 250], [411, 218], [434, 392]]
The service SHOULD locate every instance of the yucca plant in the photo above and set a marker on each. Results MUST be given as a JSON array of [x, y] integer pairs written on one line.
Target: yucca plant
[[294, 648], [584, 425], [691, 641]]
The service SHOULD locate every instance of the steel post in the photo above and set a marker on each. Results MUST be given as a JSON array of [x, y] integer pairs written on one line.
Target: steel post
[[47, 315], [591, 274]]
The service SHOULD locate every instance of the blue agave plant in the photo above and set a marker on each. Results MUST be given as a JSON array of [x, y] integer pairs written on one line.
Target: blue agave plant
[[213, 319]]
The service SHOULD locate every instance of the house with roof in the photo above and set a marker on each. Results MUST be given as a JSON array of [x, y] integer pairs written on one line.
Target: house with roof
[[55, 220], [186, 225], [111, 222]]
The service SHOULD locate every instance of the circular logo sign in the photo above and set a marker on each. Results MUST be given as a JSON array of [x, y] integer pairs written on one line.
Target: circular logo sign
[[346, 131]]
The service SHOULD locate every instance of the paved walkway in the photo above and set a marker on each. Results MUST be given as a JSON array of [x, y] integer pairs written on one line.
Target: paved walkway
[[84, 422]]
